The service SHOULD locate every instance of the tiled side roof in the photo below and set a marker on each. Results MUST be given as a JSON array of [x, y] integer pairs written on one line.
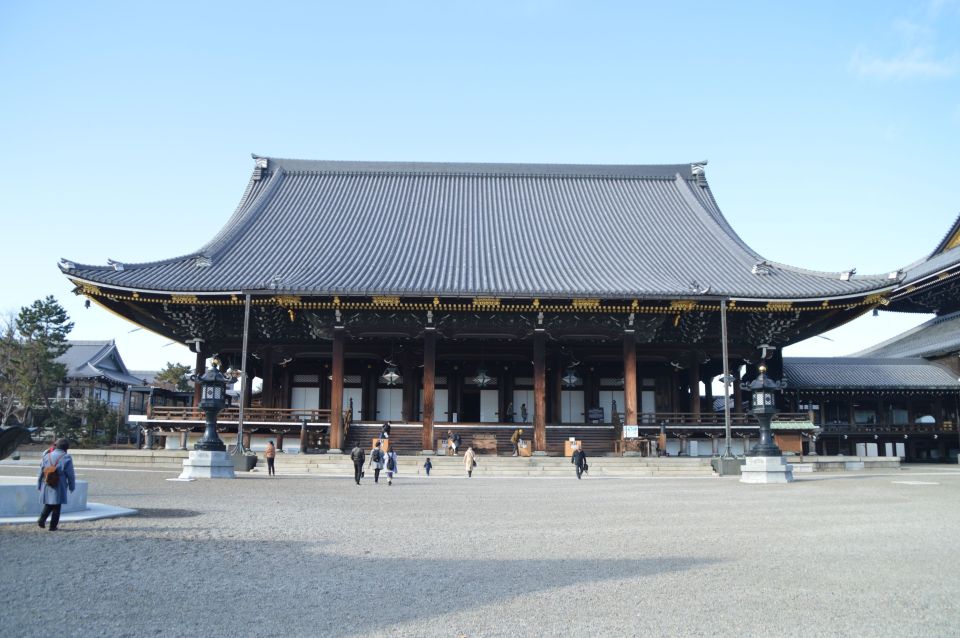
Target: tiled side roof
[[418, 229], [866, 373], [83, 356], [939, 336]]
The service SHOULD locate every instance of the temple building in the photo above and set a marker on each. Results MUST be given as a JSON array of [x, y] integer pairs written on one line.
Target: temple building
[[573, 301], [898, 398]]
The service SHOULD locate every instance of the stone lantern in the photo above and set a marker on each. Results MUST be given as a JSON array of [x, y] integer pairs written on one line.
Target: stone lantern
[[213, 396], [209, 458], [765, 463]]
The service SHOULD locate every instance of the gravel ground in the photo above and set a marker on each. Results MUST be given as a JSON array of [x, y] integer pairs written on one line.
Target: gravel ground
[[853, 555]]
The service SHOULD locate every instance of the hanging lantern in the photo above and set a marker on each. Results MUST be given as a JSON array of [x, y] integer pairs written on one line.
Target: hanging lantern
[[482, 379], [391, 376], [571, 379]]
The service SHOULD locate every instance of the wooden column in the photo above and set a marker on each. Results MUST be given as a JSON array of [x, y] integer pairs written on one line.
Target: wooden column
[[695, 386], [201, 367], [737, 392], [629, 378], [266, 392], [280, 441], [429, 380], [336, 394], [539, 392], [557, 398]]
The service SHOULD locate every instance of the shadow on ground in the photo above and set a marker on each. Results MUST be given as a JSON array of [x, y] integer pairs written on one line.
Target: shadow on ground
[[166, 513]]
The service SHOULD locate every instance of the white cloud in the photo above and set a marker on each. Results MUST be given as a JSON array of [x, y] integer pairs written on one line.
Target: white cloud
[[916, 52], [918, 62]]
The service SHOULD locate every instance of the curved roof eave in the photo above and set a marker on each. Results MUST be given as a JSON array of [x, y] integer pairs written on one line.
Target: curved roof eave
[[195, 268]]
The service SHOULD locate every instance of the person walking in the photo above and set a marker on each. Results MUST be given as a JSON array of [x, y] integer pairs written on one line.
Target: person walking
[[270, 454], [579, 460], [53, 483], [392, 466], [469, 461], [427, 466], [358, 457], [376, 461], [385, 431], [515, 439]]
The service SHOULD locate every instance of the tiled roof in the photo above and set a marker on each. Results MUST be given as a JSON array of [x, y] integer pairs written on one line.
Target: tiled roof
[[95, 360], [521, 230], [937, 337], [866, 373]]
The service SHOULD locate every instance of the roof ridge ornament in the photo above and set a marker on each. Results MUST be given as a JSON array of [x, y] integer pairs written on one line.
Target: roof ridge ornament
[[761, 268], [847, 274], [697, 170], [260, 165], [115, 264]]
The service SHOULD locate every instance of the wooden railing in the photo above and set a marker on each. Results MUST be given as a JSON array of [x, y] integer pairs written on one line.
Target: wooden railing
[[673, 419], [879, 428], [250, 415]]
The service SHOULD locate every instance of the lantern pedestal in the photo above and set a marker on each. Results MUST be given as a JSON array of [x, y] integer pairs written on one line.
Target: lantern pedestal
[[208, 464], [766, 469]]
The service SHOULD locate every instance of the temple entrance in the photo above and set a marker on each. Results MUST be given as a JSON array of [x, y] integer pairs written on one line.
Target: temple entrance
[[470, 406], [479, 406]]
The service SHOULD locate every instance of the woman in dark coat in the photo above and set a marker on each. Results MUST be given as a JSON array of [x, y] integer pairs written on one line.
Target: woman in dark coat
[[52, 498]]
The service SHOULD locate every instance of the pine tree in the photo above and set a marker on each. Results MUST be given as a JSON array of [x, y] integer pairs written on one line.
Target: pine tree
[[28, 355]]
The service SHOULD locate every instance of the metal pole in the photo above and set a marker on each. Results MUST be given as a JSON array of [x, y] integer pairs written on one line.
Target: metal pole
[[726, 378], [243, 370]]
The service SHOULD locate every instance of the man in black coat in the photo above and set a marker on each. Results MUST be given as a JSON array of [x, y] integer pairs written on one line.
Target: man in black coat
[[358, 457], [580, 461]]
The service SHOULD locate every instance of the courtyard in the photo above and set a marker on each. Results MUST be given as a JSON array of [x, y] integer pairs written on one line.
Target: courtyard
[[849, 554]]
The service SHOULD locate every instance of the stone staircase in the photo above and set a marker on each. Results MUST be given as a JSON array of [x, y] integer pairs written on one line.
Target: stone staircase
[[504, 466], [410, 464]]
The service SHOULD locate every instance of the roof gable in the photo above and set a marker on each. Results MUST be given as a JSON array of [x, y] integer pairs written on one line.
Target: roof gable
[[504, 230]]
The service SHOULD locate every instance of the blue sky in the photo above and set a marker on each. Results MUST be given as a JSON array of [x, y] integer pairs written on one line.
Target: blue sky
[[831, 128]]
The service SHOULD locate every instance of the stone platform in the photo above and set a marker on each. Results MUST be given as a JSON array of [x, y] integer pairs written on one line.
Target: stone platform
[[20, 503]]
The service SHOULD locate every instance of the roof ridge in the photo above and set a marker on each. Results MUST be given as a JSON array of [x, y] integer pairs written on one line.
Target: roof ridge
[[619, 171]]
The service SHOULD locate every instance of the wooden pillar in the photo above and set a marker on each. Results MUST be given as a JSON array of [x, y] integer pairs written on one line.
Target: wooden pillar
[[201, 367], [336, 393], [280, 441], [695, 386], [539, 392], [266, 392], [737, 391], [557, 398], [246, 440], [630, 378], [429, 380]]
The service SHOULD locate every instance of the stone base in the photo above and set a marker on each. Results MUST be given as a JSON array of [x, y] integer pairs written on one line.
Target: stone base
[[204, 464], [427, 453], [726, 465], [19, 497], [540, 453], [766, 469], [334, 450]]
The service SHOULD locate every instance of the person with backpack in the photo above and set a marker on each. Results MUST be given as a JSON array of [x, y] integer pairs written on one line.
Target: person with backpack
[[376, 461], [56, 477], [358, 457], [579, 460], [453, 440], [392, 466], [270, 454], [427, 466], [385, 431]]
